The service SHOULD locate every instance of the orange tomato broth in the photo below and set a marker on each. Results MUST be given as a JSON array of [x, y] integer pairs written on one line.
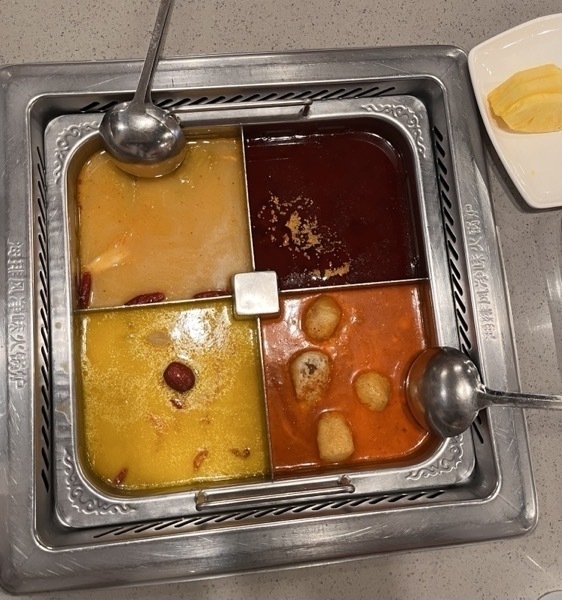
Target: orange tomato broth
[[382, 328]]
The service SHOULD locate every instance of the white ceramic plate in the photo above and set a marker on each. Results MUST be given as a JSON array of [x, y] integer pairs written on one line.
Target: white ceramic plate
[[532, 160]]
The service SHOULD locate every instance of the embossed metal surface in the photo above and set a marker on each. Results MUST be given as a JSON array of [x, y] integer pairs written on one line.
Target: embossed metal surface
[[339, 519], [78, 501]]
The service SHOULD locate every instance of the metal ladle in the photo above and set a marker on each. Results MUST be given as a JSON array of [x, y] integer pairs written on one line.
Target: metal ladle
[[445, 393], [142, 138]]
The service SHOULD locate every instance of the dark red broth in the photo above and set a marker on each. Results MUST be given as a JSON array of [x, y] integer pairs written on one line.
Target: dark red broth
[[333, 204]]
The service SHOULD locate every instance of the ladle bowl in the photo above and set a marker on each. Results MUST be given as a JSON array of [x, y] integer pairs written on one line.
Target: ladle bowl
[[445, 393], [142, 138]]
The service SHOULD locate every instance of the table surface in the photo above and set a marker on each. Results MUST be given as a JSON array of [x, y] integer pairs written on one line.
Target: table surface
[[525, 568]]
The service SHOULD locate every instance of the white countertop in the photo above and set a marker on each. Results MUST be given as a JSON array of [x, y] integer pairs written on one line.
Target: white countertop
[[525, 568]]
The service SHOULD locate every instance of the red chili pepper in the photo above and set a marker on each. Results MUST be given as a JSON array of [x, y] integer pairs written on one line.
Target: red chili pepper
[[84, 290], [146, 298], [212, 294]]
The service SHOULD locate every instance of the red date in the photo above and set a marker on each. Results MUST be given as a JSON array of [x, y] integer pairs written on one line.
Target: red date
[[146, 299], [84, 290], [119, 478], [179, 377]]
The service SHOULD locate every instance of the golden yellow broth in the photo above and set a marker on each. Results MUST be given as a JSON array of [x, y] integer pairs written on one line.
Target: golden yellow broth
[[130, 420], [181, 234]]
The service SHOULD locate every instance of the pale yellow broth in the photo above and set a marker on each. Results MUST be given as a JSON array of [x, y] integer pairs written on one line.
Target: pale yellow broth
[[180, 235], [134, 435]]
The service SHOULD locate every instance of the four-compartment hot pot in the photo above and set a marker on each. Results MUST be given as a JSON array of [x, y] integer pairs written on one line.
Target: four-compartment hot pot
[[207, 369]]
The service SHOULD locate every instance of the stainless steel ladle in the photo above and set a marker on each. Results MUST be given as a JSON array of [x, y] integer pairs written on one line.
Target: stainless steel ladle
[[142, 138], [445, 392]]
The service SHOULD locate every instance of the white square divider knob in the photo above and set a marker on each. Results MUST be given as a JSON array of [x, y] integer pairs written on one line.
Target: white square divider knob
[[256, 294]]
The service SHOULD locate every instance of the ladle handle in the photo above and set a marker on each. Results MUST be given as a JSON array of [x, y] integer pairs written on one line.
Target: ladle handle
[[520, 400], [142, 95]]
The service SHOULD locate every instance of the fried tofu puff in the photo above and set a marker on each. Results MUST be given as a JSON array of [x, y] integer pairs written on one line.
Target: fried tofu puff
[[310, 374], [321, 318], [334, 437], [373, 390]]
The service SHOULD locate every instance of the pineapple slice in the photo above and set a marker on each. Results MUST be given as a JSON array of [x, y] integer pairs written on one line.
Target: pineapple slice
[[540, 113], [531, 100]]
